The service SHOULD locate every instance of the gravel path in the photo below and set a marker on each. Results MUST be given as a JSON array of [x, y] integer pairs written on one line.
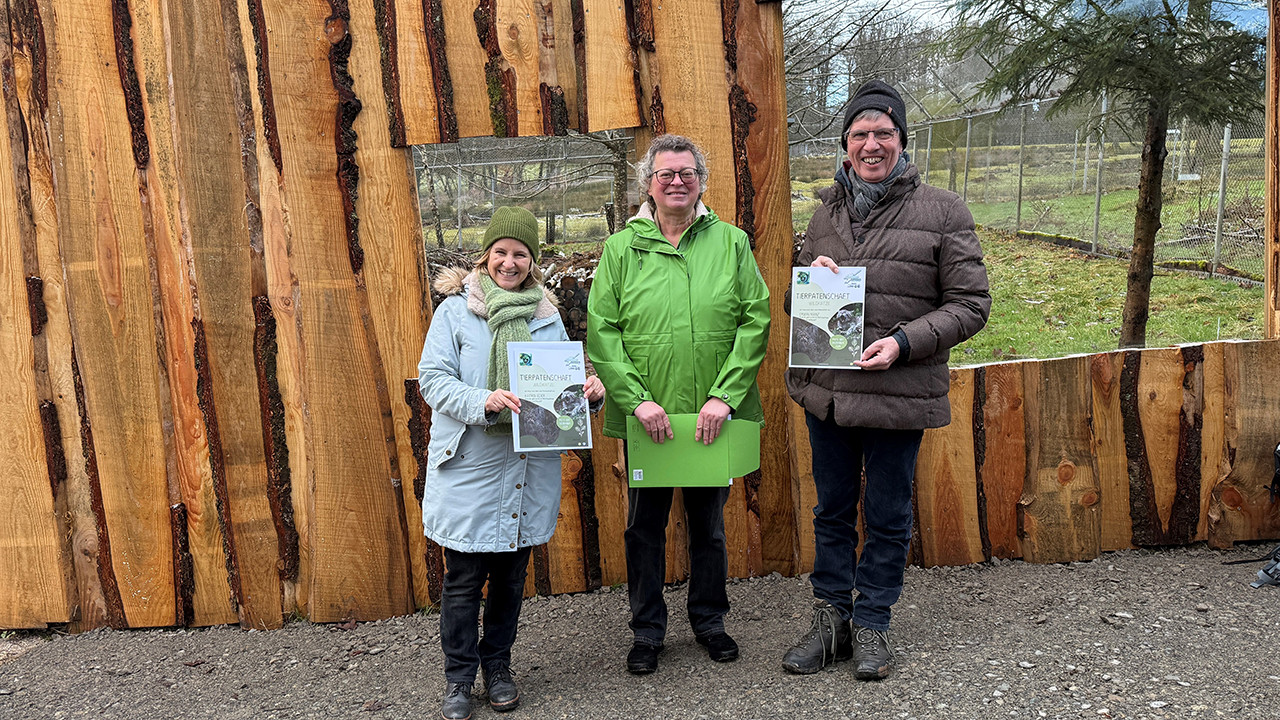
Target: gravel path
[[1138, 634]]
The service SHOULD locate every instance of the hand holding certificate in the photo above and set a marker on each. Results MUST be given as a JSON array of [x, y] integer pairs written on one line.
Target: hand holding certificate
[[550, 380], [826, 316]]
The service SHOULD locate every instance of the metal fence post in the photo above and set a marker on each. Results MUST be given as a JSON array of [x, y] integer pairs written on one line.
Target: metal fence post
[[928, 153], [1184, 147], [1075, 160], [1022, 140], [1097, 189], [459, 208], [991, 140], [968, 148], [1222, 198], [1084, 179]]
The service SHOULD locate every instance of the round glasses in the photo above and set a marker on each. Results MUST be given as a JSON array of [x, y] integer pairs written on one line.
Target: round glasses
[[666, 177]]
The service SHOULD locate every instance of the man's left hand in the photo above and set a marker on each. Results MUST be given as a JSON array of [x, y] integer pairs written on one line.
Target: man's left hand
[[879, 355], [711, 420]]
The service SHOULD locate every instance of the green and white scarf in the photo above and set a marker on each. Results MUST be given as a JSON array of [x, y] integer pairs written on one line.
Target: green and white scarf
[[509, 313]]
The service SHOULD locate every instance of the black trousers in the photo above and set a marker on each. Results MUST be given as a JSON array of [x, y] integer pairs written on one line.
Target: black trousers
[[464, 649], [646, 541]]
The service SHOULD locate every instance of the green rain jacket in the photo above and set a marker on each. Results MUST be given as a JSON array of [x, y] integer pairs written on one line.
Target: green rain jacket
[[677, 325]]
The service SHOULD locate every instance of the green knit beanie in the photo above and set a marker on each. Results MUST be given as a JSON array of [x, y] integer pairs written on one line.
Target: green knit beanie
[[516, 223]]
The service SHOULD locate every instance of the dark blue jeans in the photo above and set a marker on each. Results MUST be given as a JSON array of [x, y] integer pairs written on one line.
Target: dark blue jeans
[[646, 540], [840, 454], [464, 650]]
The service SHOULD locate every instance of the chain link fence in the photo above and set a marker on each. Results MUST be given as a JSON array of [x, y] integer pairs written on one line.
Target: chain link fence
[[1076, 176], [570, 183]]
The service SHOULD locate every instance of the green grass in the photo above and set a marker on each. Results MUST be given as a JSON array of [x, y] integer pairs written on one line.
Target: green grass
[[1049, 301]]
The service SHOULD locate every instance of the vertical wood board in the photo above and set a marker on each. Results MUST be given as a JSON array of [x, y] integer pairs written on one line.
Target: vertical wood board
[[1109, 448], [1059, 513], [1003, 456], [946, 484], [33, 588], [110, 296], [208, 135], [356, 546]]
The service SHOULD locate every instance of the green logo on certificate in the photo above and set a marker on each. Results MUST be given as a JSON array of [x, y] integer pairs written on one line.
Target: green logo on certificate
[[564, 422], [839, 342]]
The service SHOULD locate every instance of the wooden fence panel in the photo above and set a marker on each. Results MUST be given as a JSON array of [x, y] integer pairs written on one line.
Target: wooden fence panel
[[604, 88], [1001, 455], [228, 275], [393, 275], [803, 493], [945, 485], [470, 97], [101, 151], [1059, 505], [32, 555], [1242, 507], [1109, 447], [1161, 400], [355, 544], [203, 584], [409, 76], [757, 102], [60, 383], [1213, 458], [609, 471], [277, 335]]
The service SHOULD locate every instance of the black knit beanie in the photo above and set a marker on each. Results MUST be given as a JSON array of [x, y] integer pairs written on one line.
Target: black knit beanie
[[875, 95]]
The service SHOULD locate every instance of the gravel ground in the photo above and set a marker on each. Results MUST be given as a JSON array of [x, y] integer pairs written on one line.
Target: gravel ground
[[1138, 634]]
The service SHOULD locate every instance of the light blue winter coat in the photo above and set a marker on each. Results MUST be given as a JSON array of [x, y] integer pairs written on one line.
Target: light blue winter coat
[[480, 496]]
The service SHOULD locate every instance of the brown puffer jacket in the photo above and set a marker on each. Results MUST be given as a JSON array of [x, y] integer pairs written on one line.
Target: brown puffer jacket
[[925, 276]]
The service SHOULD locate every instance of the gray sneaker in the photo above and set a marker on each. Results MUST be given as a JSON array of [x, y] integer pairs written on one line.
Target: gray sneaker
[[872, 657], [827, 640]]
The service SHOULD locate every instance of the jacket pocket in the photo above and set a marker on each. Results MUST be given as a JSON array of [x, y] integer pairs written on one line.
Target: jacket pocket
[[443, 445]]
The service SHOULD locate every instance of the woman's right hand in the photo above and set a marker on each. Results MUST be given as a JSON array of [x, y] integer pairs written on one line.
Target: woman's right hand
[[500, 399], [826, 262], [655, 421]]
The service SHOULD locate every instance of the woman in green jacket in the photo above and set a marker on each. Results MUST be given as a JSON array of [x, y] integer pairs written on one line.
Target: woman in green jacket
[[678, 319]]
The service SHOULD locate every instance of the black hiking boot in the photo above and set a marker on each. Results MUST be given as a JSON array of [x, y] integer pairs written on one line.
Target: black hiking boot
[[720, 647], [457, 701], [871, 654], [643, 659], [827, 640], [503, 693]]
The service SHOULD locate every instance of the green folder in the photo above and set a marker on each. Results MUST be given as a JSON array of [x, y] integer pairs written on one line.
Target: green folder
[[685, 462]]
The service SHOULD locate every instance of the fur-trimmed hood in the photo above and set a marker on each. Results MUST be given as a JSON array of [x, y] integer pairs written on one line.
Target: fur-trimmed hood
[[460, 281]]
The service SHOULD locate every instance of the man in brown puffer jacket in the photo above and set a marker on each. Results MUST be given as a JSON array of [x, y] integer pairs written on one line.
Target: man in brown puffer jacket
[[926, 291]]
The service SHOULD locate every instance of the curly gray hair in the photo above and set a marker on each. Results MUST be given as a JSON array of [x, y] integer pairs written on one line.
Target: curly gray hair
[[671, 143]]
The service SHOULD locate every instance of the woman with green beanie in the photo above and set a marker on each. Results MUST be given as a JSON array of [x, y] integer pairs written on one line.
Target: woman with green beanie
[[485, 504]]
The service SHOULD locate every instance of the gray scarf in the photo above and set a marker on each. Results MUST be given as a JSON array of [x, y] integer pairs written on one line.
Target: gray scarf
[[862, 195]]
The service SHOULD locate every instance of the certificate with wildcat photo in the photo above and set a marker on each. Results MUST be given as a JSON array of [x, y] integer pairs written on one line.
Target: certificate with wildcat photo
[[826, 317], [549, 379]]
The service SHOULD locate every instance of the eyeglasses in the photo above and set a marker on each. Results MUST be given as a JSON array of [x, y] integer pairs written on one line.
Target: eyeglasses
[[880, 135], [666, 177]]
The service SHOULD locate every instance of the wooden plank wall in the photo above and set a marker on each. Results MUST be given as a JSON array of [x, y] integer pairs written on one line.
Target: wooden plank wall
[[214, 298]]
